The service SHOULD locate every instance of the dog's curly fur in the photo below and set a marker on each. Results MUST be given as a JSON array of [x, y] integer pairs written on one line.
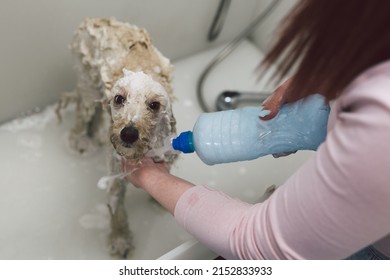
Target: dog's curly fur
[[124, 95]]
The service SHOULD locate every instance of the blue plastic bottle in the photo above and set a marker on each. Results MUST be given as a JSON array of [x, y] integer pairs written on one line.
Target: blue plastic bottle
[[240, 134]]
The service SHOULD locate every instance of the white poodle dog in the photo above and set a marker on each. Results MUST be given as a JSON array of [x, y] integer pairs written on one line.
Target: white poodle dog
[[123, 96]]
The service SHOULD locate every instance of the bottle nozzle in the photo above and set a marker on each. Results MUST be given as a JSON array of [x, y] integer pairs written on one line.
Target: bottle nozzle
[[184, 142]]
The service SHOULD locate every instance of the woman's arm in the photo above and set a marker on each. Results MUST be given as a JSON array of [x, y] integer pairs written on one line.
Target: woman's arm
[[155, 179]]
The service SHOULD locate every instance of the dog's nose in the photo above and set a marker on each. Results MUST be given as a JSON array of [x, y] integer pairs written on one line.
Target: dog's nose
[[129, 135]]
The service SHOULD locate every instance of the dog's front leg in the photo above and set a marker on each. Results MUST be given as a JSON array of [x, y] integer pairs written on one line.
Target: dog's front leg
[[120, 239]]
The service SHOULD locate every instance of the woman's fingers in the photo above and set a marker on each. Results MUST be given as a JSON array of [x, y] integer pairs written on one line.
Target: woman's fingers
[[274, 102]]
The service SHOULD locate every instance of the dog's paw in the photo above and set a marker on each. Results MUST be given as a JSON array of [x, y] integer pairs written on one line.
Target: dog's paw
[[121, 246]]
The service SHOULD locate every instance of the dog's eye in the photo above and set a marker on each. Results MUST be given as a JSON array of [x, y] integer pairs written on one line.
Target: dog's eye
[[119, 99], [155, 106]]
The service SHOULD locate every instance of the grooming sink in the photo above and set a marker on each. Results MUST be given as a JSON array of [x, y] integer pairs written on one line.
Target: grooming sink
[[51, 207]]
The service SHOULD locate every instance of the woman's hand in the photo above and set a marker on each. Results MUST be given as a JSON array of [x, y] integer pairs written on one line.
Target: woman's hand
[[273, 104], [140, 173], [155, 179]]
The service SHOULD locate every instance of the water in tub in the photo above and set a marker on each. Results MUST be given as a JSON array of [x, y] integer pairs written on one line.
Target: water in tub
[[52, 208]]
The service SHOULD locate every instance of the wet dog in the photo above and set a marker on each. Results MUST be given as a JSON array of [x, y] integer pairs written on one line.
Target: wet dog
[[123, 97]]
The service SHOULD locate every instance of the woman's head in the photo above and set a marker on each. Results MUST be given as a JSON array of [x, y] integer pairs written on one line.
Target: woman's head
[[330, 42]]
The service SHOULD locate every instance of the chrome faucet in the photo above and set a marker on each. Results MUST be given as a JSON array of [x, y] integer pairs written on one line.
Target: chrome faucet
[[229, 100]]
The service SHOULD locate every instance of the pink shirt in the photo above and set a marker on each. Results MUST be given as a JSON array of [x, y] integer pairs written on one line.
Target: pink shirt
[[335, 204]]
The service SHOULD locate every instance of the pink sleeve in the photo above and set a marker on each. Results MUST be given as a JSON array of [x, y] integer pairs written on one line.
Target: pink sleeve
[[337, 203]]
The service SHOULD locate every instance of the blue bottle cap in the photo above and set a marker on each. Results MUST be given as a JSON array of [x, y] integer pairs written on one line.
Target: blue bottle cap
[[184, 142]]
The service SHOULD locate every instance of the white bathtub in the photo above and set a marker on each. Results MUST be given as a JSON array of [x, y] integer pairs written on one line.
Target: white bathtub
[[51, 208]]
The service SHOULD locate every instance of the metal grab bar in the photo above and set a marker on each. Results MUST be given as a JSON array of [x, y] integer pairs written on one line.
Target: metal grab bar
[[219, 20], [227, 50]]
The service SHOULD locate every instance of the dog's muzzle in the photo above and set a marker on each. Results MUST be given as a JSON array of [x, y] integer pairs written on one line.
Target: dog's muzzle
[[129, 135]]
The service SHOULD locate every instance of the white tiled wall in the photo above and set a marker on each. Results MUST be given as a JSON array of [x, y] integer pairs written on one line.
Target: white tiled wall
[[265, 33]]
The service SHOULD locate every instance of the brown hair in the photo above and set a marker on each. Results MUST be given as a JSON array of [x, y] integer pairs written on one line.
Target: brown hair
[[331, 41]]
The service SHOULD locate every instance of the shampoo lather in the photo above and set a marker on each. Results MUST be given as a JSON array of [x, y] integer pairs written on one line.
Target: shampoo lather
[[240, 134]]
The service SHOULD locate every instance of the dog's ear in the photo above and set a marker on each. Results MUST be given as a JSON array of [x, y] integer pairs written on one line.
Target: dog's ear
[[105, 105], [172, 123]]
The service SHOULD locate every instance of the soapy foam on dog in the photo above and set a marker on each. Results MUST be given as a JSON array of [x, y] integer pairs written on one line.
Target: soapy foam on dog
[[166, 148], [139, 85], [136, 84], [139, 82]]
